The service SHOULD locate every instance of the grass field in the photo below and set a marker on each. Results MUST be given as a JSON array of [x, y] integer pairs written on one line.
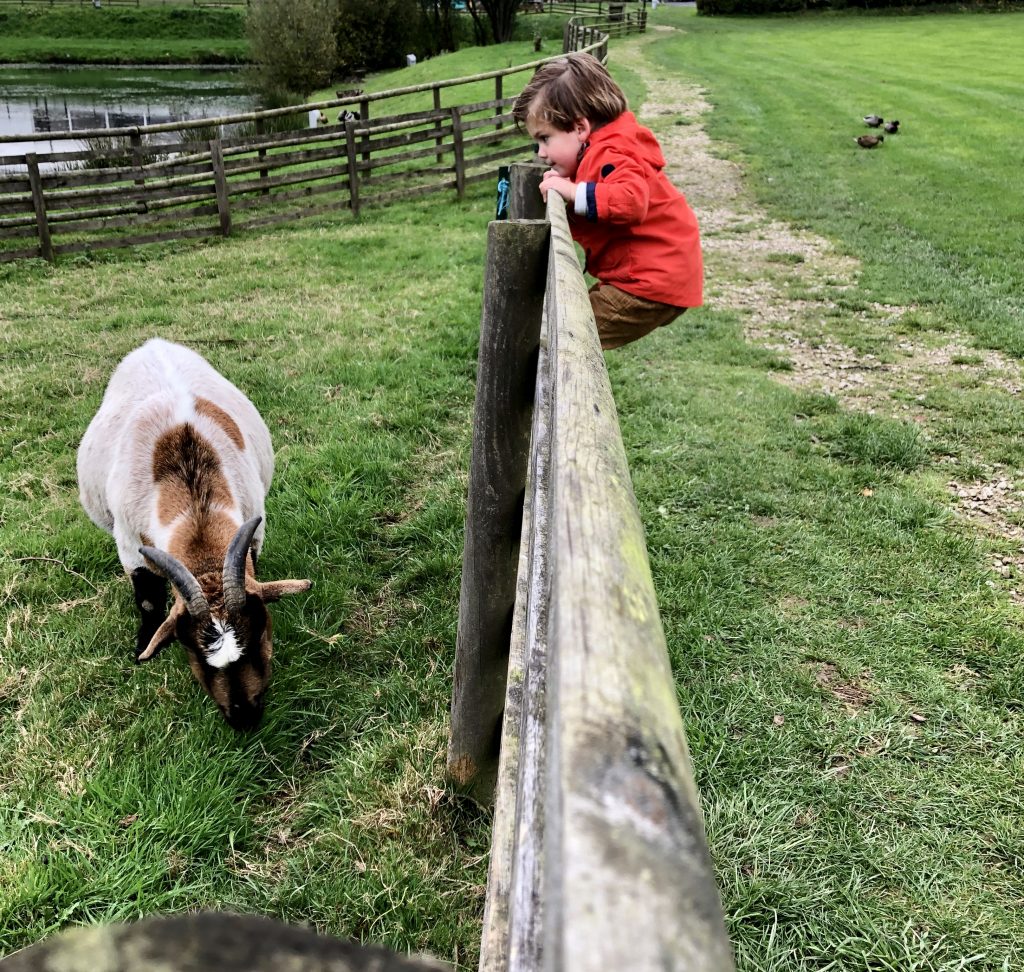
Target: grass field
[[938, 209], [849, 661], [126, 35]]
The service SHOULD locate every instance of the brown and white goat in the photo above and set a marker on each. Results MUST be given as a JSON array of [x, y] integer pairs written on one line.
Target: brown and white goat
[[176, 464]]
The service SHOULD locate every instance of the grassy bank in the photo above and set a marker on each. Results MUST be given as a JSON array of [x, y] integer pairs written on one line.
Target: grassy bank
[[142, 35], [162, 35]]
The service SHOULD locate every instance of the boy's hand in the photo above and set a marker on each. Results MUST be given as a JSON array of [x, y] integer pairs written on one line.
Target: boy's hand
[[566, 188]]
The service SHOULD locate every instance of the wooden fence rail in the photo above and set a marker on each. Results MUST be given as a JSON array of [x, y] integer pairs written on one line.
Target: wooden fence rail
[[178, 180], [564, 707]]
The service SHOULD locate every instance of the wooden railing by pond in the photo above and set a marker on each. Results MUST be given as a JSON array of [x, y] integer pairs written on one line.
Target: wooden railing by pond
[[179, 180], [564, 707]]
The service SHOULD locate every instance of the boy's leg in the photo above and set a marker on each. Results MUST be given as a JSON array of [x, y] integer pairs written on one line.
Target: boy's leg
[[622, 318]]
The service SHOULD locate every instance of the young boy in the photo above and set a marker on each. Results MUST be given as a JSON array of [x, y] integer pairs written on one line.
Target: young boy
[[639, 234]]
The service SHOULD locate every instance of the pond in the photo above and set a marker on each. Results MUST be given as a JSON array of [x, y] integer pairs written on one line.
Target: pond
[[38, 99]]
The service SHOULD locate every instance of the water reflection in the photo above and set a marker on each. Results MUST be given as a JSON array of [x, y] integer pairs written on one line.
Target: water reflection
[[37, 100]]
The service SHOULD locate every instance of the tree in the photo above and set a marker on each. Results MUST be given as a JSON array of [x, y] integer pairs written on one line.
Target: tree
[[502, 17], [439, 33], [374, 34], [293, 44]]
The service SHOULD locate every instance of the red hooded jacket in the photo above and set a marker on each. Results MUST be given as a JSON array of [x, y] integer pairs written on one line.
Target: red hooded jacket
[[638, 232]]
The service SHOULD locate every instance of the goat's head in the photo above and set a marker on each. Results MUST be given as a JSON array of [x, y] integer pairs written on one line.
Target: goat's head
[[223, 622]]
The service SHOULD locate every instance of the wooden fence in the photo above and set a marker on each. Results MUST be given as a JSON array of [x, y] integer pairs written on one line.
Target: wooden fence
[[178, 180], [564, 708]]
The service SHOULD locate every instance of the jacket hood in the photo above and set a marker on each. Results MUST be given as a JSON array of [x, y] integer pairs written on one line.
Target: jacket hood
[[626, 132]]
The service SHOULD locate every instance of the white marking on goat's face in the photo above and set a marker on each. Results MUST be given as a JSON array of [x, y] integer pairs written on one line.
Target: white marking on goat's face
[[224, 649]]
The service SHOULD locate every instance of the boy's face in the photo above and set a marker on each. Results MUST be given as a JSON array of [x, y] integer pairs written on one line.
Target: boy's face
[[561, 150]]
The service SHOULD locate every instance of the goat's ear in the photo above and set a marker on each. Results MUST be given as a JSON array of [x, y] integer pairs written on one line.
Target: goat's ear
[[165, 634], [275, 590]]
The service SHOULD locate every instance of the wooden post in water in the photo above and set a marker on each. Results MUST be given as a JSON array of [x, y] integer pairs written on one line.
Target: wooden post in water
[[39, 205], [509, 340]]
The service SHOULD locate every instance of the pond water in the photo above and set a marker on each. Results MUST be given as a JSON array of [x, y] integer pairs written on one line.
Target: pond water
[[38, 99]]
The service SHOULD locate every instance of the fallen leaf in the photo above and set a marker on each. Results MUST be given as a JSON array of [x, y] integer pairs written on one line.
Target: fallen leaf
[[867, 491], [128, 821], [778, 719]]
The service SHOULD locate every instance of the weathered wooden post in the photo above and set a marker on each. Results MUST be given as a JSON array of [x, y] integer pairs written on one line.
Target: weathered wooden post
[[136, 142], [353, 167], [220, 182], [629, 882], [460, 153], [39, 205], [509, 339], [524, 200], [261, 153], [209, 940], [439, 139], [498, 97], [364, 117]]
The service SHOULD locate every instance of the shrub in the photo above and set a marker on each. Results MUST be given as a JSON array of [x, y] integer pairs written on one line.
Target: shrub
[[293, 44]]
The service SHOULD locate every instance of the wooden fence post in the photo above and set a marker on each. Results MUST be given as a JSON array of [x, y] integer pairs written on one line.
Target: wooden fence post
[[39, 204], [509, 340], [439, 141], [221, 183], [136, 140], [524, 199], [353, 167], [261, 153], [364, 117], [460, 153], [497, 97]]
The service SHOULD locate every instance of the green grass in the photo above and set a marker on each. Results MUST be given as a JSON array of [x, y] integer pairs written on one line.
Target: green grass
[[155, 35], [122, 792], [935, 212], [849, 666]]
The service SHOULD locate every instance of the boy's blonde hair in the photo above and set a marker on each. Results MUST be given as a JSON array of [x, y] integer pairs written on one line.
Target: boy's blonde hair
[[568, 88]]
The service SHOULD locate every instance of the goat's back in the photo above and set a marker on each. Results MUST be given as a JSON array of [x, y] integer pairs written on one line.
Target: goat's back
[[157, 391]]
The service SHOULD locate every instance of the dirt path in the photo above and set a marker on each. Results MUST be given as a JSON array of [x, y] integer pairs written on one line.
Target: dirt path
[[796, 294]]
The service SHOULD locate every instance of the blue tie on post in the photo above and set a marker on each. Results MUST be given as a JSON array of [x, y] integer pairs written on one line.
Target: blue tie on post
[[503, 187]]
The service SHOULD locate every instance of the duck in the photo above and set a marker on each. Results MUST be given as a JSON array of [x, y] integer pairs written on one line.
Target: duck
[[873, 121], [869, 141], [892, 127]]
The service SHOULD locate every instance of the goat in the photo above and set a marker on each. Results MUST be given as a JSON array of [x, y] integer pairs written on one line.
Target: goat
[[175, 465], [345, 115]]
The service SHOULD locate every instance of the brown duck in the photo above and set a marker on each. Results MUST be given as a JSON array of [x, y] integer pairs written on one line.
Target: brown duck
[[870, 141]]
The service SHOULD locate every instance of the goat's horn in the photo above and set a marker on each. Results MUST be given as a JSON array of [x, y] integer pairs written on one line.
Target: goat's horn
[[234, 566], [181, 577]]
